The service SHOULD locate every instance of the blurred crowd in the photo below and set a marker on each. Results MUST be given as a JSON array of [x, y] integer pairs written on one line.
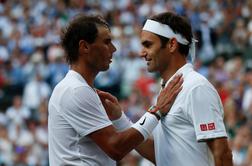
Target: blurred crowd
[[32, 63]]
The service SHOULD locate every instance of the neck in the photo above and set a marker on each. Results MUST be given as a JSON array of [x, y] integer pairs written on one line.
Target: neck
[[173, 67], [87, 73]]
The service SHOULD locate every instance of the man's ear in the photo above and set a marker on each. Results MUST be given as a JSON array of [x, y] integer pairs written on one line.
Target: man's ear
[[84, 46], [172, 45]]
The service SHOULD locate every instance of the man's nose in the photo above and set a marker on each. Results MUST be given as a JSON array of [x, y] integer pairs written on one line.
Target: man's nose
[[143, 53], [113, 48]]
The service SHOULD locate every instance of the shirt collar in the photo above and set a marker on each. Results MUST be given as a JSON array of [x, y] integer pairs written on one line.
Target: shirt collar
[[184, 70], [77, 75], [80, 78]]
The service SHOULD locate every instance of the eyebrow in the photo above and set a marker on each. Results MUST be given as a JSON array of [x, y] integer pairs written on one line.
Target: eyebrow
[[108, 39], [146, 42]]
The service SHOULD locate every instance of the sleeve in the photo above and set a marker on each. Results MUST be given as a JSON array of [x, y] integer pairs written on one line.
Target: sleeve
[[206, 113], [84, 111]]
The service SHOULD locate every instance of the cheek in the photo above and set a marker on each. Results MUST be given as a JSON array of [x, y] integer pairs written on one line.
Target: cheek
[[97, 52], [102, 50], [155, 55], [100, 56], [161, 60]]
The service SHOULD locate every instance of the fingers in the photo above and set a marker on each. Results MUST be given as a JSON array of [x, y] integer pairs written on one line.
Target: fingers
[[174, 82], [175, 93], [177, 85], [175, 89], [105, 95], [169, 94], [173, 86], [110, 104]]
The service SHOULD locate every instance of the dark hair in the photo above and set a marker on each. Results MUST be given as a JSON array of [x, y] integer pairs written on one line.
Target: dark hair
[[82, 27], [179, 25]]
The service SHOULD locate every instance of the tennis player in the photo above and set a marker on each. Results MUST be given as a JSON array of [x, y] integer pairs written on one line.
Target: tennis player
[[193, 132]]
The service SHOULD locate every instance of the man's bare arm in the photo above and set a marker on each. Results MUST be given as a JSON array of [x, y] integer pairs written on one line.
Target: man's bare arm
[[116, 144], [221, 151], [146, 149]]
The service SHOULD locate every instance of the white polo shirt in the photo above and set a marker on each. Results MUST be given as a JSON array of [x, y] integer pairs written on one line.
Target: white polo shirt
[[75, 111], [196, 115]]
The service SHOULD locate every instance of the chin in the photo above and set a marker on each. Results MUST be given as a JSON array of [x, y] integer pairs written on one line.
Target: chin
[[104, 68], [150, 70]]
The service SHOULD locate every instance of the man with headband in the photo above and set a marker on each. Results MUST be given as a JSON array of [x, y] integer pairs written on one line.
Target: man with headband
[[193, 132]]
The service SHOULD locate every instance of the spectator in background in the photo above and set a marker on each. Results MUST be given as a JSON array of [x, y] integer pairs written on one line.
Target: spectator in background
[[240, 35], [35, 92], [131, 71], [207, 38], [57, 66], [17, 114], [4, 54], [6, 145], [240, 145], [247, 98], [33, 64]]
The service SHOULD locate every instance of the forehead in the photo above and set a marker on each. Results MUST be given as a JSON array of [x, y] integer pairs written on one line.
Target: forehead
[[149, 36], [103, 32]]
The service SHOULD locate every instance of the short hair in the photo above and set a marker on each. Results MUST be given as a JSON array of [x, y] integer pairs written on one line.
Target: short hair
[[82, 27], [179, 25]]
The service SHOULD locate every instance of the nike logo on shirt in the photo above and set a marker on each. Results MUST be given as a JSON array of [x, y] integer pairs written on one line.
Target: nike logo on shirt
[[143, 121]]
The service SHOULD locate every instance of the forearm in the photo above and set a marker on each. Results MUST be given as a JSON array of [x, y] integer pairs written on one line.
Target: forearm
[[129, 140], [126, 141], [221, 152], [118, 143], [146, 149], [144, 126], [223, 160]]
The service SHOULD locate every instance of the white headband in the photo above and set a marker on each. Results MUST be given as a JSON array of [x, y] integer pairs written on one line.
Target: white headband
[[165, 31]]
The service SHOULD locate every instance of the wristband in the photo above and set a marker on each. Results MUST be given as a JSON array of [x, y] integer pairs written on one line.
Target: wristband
[[122, 123], [146, 124], [156, 111]]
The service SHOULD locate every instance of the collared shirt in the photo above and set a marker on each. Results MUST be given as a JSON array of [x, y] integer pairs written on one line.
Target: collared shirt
[[196, 115], [75, 110]]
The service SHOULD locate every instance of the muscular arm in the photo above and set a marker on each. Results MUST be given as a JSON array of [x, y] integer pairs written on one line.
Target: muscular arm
[[221, 152], [146, 149], [116, 144]]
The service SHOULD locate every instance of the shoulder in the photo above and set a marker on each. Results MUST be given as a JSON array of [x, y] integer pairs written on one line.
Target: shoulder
[[195, 80], [71, 89], [72, 82], [198, 88]]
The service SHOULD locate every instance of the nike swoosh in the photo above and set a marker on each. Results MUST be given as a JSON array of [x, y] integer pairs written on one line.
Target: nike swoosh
[[143, 121]]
